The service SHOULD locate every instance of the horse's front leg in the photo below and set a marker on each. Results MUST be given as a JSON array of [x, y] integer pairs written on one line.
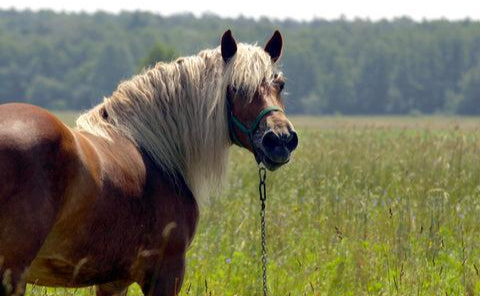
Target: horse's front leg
[[166, 279], [119, 288]]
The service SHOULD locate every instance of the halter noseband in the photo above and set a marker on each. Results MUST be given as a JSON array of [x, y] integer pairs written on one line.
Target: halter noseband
[[233, 122]]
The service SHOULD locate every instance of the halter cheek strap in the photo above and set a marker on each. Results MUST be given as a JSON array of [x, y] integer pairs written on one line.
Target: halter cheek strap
[[233, 122]]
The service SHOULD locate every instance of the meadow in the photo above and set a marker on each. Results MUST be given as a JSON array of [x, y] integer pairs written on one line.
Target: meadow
[[368, 206]]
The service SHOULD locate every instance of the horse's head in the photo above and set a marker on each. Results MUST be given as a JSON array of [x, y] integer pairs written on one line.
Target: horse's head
[[256, 116]]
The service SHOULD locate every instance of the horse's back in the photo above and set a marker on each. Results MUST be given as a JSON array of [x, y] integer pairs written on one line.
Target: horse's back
[[33, 145]]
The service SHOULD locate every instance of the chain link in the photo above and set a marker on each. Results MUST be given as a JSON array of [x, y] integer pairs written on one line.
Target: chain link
[[262, 173]]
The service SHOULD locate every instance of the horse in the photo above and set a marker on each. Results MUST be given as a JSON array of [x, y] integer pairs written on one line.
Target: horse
[[115, 200]]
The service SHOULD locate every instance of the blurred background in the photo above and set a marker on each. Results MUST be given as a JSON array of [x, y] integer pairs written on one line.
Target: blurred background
[[341, 57]]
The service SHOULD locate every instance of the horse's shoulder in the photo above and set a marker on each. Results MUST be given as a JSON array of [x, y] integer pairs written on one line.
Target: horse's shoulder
[[115, 163]]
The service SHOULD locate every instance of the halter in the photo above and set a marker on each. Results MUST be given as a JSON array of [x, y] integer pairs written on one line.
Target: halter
[[233, 122]]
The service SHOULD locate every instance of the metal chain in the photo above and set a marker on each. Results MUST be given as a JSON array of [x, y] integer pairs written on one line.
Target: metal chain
[[262, 173]]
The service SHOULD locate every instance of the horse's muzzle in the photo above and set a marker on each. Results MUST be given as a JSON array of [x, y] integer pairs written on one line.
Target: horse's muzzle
[[277, 148]]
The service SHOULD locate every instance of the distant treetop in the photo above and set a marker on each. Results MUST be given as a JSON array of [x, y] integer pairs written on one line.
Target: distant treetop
[[73, 60]]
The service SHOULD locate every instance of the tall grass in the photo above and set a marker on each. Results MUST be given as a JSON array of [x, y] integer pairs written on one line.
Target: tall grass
[[363, 209]]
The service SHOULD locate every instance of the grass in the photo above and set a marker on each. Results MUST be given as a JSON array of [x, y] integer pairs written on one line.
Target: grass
[[368, 206]]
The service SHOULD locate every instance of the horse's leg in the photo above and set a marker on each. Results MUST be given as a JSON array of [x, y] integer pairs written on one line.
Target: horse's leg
[[18, 251], [165, 280], [12, 282], [25, 221], [26, 218], [113, 289]]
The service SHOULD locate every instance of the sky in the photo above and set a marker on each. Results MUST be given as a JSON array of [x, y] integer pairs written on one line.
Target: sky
[[296, 9]]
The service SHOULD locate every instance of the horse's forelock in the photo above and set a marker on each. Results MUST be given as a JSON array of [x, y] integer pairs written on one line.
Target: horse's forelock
[[249, 68]]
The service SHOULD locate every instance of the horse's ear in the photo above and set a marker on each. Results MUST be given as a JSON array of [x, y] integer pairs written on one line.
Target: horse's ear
[[229, 46], [274, 46]]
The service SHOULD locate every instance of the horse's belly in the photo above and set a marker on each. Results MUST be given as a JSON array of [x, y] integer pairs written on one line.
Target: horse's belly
[[59, 271], [76, 260]]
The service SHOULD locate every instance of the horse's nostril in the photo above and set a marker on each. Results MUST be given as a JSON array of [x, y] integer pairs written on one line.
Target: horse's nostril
[[271, 140], [292, 141]]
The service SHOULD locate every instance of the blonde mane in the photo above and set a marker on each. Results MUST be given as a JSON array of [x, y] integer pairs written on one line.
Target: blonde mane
[[176, 112]]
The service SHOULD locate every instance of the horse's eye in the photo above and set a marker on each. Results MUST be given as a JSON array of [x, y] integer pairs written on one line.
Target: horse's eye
[[280, 85], [242, 92]]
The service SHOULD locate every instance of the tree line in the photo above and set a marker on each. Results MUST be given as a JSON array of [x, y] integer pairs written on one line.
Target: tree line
[[72, 60]]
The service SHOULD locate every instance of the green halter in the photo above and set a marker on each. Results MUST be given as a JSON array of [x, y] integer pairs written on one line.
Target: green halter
[[233, 122]]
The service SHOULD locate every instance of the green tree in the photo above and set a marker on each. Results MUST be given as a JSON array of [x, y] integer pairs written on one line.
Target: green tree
[[159, 53], [114, 64], [402, 66], [470, 92]]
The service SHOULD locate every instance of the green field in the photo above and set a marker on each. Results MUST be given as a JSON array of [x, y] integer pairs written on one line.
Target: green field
[[368, 206]]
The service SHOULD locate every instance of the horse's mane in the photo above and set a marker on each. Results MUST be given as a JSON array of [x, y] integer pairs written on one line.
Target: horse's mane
[[176, 112]]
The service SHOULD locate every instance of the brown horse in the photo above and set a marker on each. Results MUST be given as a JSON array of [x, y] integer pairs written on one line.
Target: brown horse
[[114, 201]]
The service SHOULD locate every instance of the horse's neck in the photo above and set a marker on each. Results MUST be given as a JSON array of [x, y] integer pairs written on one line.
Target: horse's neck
[[191, 137]]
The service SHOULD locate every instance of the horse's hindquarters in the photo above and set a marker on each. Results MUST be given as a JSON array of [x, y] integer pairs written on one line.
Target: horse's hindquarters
[[34, 161]]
